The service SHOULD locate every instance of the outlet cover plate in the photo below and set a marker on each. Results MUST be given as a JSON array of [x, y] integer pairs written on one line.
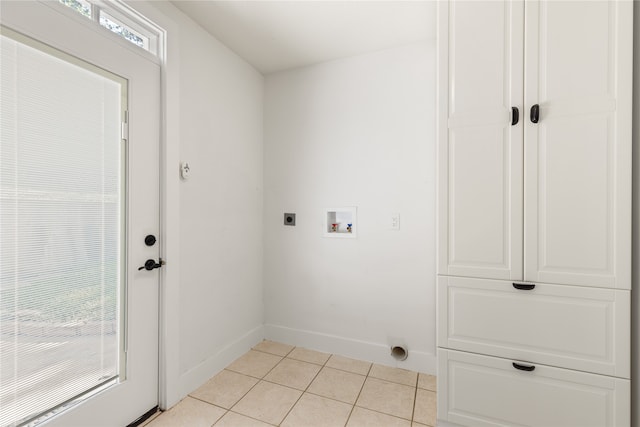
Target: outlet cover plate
[[289, 219], [395, 221]]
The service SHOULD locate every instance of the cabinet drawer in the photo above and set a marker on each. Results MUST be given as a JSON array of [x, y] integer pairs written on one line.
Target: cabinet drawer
[[475, 390], [585, 329]]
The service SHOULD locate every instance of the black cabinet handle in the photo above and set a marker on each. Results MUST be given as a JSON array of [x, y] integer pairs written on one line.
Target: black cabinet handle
[[535, 113], [523, 367], [524, 286], [515, 116]]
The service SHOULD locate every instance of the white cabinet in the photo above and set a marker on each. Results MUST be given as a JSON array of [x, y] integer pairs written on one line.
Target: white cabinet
[[578, 156], [480, 153], [574, 327], [534, 191], [489, 391], [553, 195]]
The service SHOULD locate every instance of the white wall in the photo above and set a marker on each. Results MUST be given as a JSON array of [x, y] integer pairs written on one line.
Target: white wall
[[212, 287], [353, 132], [221, 203], [635, 292]]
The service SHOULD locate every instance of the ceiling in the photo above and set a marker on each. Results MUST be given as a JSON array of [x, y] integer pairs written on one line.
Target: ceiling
[[278, 35]]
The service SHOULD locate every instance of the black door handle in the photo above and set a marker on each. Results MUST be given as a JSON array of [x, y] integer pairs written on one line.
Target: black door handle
[[535, 113], [150, 264], [523, 367], [515, 116], [524, 286]]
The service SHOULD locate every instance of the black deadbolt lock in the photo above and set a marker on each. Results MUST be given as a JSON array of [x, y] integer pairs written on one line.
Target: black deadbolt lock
[[150, 240]]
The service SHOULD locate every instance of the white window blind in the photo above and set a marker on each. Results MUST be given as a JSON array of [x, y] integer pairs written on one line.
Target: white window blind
[[61, 233]]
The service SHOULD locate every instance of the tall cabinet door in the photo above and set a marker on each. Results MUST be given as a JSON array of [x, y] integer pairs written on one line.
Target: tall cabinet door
[[578, 155], [480, 151]]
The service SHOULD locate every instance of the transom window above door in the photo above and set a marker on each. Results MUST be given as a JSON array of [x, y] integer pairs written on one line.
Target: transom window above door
[[119, 19]]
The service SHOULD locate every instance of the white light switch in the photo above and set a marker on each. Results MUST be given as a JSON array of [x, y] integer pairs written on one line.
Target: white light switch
[[395, 221]]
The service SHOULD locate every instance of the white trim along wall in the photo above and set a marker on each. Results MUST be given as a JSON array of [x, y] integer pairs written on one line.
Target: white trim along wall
[[635, 260]]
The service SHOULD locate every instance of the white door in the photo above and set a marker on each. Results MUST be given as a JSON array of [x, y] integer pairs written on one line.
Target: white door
[[578, 154], [480, 175], [123, 347]]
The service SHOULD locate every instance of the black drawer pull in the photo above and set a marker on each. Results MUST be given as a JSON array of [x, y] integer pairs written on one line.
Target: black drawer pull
[[535, 113], [524, 286], [515, 116], [523, 367]]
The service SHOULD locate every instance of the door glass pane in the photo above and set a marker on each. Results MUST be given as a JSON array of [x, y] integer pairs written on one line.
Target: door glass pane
[[113, 25], [81, 6], [61, 228]]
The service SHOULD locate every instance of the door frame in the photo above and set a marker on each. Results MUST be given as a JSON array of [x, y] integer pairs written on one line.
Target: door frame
[[170, 385]]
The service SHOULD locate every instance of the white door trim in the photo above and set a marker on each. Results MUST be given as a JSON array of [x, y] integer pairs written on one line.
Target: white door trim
[[169, 392]]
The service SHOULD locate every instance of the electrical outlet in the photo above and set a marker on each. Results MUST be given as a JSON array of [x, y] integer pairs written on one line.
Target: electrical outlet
[[395, 221], [289, 219]]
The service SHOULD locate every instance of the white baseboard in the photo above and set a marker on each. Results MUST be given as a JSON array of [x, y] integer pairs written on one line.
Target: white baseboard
[[198, 375], [373, 352]]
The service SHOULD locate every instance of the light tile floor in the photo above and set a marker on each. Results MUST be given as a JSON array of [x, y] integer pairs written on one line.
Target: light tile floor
[[281, 385]]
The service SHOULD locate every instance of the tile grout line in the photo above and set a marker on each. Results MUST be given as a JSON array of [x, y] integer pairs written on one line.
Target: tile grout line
[[229, 410], [386, 414], [359, 393], [415, 398], [204, 401], [308, 385], [273, 354], [306, 390], [351, 372], [194, 398], [250, 417], [223, 415], [262, 379], [253, 386], [367, 375]]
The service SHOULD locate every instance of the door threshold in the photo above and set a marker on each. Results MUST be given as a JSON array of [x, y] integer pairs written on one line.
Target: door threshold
[[151, 412]]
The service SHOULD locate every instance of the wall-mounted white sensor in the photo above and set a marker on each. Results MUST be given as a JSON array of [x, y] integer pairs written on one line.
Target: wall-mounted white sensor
[[185, 170]]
